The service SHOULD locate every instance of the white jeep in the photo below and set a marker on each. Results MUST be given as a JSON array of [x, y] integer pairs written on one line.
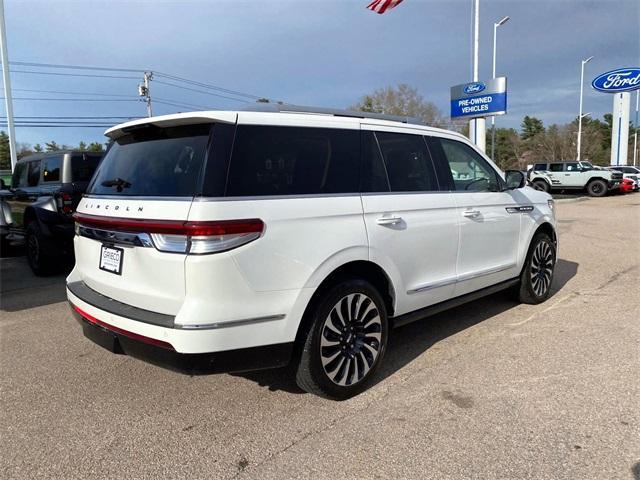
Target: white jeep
[[574, 176]]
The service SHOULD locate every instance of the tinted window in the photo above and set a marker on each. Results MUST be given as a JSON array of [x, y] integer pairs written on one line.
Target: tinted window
[[556, 167], [374, 175], [215, 177], [269, 160], [538, 167], [408, 163], [34, 173], [153, 162], [83, 166], [571, 167], [19, 178], [51, 169], [469, 170]]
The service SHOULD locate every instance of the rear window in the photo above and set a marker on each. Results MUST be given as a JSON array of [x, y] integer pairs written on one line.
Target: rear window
[[154, 161], [269, 160], [83, 166]]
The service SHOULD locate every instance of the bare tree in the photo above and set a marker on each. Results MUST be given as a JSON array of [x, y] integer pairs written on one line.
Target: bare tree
[[401, 100]]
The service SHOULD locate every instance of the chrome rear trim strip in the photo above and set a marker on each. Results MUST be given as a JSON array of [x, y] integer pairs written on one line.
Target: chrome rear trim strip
[[460, 278], [131, 239], [232, 323]]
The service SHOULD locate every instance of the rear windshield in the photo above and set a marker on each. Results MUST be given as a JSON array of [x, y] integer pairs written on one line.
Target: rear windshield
[[153, 162], [83, 166]]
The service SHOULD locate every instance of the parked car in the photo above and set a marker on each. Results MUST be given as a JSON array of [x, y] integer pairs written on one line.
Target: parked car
[[627, 185], [230, 241], [628, 172], [37, 208], [582, 176]]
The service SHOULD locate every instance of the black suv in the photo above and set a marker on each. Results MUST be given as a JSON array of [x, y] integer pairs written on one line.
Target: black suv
[[37, 207]]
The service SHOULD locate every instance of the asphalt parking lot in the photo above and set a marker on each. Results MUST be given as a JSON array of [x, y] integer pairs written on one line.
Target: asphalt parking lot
[[488, 390]]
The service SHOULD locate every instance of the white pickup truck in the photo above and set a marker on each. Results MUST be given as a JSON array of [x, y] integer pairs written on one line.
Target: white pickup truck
[[574, 176]]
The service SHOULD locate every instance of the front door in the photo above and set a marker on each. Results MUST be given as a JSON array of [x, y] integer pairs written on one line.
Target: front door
[[489, 220]]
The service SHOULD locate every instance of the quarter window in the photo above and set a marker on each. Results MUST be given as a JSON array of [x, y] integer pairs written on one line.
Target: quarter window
[[539, 167], [51, 169], [409, 166], [269, 160], [34, 173], [469, 170]]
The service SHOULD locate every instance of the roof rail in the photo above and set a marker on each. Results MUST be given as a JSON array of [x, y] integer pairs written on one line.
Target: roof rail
[[288, 108]]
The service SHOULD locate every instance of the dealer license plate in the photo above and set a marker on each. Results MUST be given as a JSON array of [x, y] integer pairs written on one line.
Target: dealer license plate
[[111, 259]]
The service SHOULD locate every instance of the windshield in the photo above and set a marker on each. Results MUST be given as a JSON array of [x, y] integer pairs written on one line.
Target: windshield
[[586, 165], [153, 161]]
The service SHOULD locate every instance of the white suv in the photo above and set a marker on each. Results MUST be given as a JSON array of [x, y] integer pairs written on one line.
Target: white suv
[[228, 241]]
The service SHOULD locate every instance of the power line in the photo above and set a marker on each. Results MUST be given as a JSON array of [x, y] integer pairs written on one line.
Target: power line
[[200, 91], [180, 105], [76, 99], [132, 117], [70, 93], [75, 74], [205, 85], [78, 67]]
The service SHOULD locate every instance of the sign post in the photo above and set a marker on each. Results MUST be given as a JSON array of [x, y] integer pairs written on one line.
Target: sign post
[[620, 82]]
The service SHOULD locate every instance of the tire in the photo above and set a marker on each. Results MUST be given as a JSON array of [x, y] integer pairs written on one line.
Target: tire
[[39, 263], [537, 274], [597, 188], [541, 185], [340, 356]]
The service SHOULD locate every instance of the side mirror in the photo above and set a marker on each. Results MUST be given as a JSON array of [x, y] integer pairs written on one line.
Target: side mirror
[[514, 179]]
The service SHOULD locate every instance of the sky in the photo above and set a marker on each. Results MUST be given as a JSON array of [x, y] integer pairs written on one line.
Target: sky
[[323, 53]]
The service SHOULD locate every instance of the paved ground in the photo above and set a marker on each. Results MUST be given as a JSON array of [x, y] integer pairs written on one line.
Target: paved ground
[[489, 390]]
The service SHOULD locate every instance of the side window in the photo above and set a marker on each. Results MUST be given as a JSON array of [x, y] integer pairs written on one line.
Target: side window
[[19, 178], [556, 167], [51, 169], [470, 171], [373, 176], [539, 167], [571, 167], [270, 160], [33, 176], [408, 163]]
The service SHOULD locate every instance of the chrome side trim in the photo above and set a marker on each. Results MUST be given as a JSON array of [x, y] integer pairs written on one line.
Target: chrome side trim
[[130, 239], [232, 323], [482, 273], [460, 278], [136, 198], [431, 286]]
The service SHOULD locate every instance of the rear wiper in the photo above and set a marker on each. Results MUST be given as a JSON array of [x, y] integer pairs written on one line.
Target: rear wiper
[[119, 183]]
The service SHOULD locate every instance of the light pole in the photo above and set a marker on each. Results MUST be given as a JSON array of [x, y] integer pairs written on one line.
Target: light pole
[[493, 117], [584, 62]]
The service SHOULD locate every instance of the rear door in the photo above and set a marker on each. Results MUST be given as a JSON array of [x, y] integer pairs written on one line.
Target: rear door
[[412, 227], [147, 179], [489, 219]]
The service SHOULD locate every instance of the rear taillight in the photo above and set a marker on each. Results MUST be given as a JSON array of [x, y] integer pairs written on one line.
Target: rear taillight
[[183, 237], [65, 202]]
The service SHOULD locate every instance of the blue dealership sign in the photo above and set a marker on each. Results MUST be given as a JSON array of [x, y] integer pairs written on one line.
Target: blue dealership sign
[[619, 80], [479, 99]]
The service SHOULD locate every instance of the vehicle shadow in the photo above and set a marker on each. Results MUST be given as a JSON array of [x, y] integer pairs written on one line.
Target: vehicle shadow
[[409, 342], [20, 289]]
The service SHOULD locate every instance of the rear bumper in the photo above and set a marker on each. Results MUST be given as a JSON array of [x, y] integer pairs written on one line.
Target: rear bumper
[[162, 353]]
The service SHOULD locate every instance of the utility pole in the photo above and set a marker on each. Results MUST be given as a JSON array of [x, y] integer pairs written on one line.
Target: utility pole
[[477, 125], [8, 101], [584, 62], [145, 92]]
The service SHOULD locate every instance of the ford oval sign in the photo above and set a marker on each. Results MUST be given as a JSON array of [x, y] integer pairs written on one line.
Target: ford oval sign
[[474, 87], [620, 80]]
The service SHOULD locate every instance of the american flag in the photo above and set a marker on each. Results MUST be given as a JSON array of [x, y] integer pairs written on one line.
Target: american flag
[[381, 6]]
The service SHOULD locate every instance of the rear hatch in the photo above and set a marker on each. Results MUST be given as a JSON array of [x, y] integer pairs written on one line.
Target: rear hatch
[[130, 244]]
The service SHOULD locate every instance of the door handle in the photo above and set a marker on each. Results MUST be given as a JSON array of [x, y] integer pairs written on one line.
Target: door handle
[[471, 213], [388, 220]]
